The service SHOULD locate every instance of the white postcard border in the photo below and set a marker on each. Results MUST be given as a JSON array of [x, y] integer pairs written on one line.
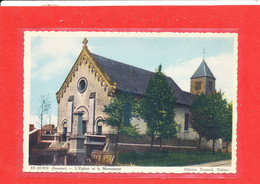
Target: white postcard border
[[121, 169]]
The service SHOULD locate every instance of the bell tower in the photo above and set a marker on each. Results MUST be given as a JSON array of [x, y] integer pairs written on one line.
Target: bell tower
[[203, 81]]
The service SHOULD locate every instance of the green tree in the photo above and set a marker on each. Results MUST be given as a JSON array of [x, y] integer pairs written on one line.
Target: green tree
[[120, 111], [226, 133], [157, 108], [199, 115], [217, 115], [210, 116]]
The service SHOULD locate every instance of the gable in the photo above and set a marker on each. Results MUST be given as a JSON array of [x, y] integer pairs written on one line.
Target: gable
[[87, 58]]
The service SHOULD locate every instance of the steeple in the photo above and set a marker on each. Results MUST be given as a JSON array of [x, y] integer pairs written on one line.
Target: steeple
[[204, 54], [203, 71], [203, 81]]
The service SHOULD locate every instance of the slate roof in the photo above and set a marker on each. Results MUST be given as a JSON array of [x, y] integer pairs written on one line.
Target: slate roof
[[203, 71], [133, 79]]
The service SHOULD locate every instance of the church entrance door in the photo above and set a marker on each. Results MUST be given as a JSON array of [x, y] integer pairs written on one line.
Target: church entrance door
[[64, 131], [99, 127], [99, 130]]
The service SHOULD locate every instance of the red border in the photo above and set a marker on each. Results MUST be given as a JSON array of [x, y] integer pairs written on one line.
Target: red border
[[241, 19]]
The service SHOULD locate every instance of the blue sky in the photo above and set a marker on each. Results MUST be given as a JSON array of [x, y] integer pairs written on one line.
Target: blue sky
[[53, 56]]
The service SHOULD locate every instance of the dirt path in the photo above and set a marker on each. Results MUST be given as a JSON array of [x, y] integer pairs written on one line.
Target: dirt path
[[222, 163]]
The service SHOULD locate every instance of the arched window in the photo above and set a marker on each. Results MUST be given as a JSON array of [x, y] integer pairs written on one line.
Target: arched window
[[187, 119], [127, 113]]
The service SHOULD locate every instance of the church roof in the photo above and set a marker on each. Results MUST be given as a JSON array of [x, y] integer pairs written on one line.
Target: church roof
[[133, 79], [203, 71]]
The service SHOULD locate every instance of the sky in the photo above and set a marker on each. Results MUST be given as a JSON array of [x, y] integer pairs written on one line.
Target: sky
[[53, 56]]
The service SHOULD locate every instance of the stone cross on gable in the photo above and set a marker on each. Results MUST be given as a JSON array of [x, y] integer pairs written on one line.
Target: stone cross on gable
[[85, 41]]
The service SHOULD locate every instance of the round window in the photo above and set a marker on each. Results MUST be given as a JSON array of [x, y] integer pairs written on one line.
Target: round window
[[82, 85]]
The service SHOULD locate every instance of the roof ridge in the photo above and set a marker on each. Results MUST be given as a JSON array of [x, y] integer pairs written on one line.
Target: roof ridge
[[123, 63], [169, 78], [133, 79]]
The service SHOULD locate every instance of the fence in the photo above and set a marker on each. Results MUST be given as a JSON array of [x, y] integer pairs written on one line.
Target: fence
[[102, 157]]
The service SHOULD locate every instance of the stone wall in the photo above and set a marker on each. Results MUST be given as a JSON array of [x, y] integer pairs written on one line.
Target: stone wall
[[34, 138], [180, 112], [189, 134]]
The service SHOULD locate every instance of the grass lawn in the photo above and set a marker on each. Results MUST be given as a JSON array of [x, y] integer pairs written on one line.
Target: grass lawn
[[171, 158]]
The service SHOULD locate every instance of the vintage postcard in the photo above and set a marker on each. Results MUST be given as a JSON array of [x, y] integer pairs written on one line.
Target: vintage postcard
[[130, 102]]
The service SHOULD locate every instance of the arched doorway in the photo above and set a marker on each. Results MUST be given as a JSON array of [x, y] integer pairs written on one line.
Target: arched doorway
[[99, 125], [64, 131]]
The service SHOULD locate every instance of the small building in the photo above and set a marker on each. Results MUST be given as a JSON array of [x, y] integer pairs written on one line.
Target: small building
[[31, 127], [49, 129]]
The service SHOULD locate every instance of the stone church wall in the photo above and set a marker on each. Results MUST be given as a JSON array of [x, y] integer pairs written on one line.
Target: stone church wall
[[189, 134], [180, 112], [81, 100], [140, 125]]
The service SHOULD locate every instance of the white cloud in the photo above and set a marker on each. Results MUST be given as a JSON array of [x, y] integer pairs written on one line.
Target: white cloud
[[60, 52], [221, 66]]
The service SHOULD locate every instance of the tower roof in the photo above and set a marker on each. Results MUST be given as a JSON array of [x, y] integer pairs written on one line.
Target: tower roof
[[203, 71]]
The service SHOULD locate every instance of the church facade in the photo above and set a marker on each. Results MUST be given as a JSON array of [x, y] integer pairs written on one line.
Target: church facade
[[93, 80]]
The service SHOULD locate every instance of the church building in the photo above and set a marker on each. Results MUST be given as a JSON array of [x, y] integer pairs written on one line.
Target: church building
[[94, 79]]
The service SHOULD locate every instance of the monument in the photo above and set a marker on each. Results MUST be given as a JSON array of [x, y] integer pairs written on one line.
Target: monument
[[77, 139]]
